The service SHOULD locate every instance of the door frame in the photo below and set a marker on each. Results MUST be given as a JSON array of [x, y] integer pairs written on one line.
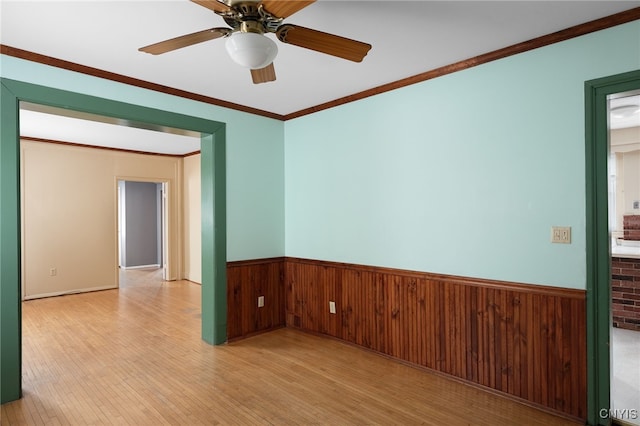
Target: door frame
[[213, 205], [165, 258], [598, 266]]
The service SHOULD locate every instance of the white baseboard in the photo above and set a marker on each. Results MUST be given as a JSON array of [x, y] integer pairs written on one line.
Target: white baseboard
[[156, 266], [74, 291]]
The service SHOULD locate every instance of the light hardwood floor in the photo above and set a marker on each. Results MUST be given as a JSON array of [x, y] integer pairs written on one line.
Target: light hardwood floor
[[134, 356]]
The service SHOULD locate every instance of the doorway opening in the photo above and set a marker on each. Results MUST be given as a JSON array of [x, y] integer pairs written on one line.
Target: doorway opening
[[601, 410], [142, 225], [624, 224], [213, 183], [69, 163]]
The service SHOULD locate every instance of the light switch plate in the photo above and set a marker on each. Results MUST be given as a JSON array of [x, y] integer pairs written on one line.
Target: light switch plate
[[561, 234]]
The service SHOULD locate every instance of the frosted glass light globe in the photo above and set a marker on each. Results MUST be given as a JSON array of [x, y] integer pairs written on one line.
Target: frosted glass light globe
[[251, 50]]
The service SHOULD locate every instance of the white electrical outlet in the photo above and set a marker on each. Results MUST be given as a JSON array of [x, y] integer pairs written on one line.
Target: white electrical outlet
[[332, 307], [260, 301], [561, 234]]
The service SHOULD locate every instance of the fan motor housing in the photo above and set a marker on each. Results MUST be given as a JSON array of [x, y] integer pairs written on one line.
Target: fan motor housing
[[248, 16]]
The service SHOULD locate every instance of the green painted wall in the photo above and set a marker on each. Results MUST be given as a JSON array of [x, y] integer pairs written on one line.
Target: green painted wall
[[255, 153], [464, 174]]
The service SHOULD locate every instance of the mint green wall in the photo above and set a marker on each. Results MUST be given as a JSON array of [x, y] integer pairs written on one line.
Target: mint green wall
[[255, 153], [464, 174]]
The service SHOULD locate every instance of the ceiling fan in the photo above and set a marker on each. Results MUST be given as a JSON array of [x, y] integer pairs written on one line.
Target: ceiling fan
[[249, 47]]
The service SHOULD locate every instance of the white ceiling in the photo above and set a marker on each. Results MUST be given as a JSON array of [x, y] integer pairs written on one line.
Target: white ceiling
[[408, 38], [43, 122]]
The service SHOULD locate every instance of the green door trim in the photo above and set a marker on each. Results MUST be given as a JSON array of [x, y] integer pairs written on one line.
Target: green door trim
[[213, 165], [597, 240]]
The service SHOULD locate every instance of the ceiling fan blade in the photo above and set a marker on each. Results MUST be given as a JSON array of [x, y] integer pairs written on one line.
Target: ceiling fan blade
[[264, 75], [185, 40], [214, 5], [285, 8], [319, 41]]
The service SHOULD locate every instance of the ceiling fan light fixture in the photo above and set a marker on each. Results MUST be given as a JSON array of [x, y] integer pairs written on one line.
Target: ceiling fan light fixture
[[251, 50]]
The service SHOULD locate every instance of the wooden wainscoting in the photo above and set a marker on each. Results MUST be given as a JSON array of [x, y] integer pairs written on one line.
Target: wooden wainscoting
[[246, 281], [526, 341]]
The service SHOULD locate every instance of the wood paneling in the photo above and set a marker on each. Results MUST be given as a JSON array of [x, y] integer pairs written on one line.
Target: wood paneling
[[134, 356], [246, 281], [523, 340]]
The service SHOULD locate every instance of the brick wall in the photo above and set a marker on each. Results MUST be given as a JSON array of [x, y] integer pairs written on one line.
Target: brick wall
[[631, 227], [625, 292]]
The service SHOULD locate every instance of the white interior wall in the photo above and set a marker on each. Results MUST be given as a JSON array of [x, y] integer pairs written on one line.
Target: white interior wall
[[69, 214]]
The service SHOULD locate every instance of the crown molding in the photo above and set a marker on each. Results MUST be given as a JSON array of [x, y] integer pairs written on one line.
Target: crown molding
[[566, 34], [96, 72]]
